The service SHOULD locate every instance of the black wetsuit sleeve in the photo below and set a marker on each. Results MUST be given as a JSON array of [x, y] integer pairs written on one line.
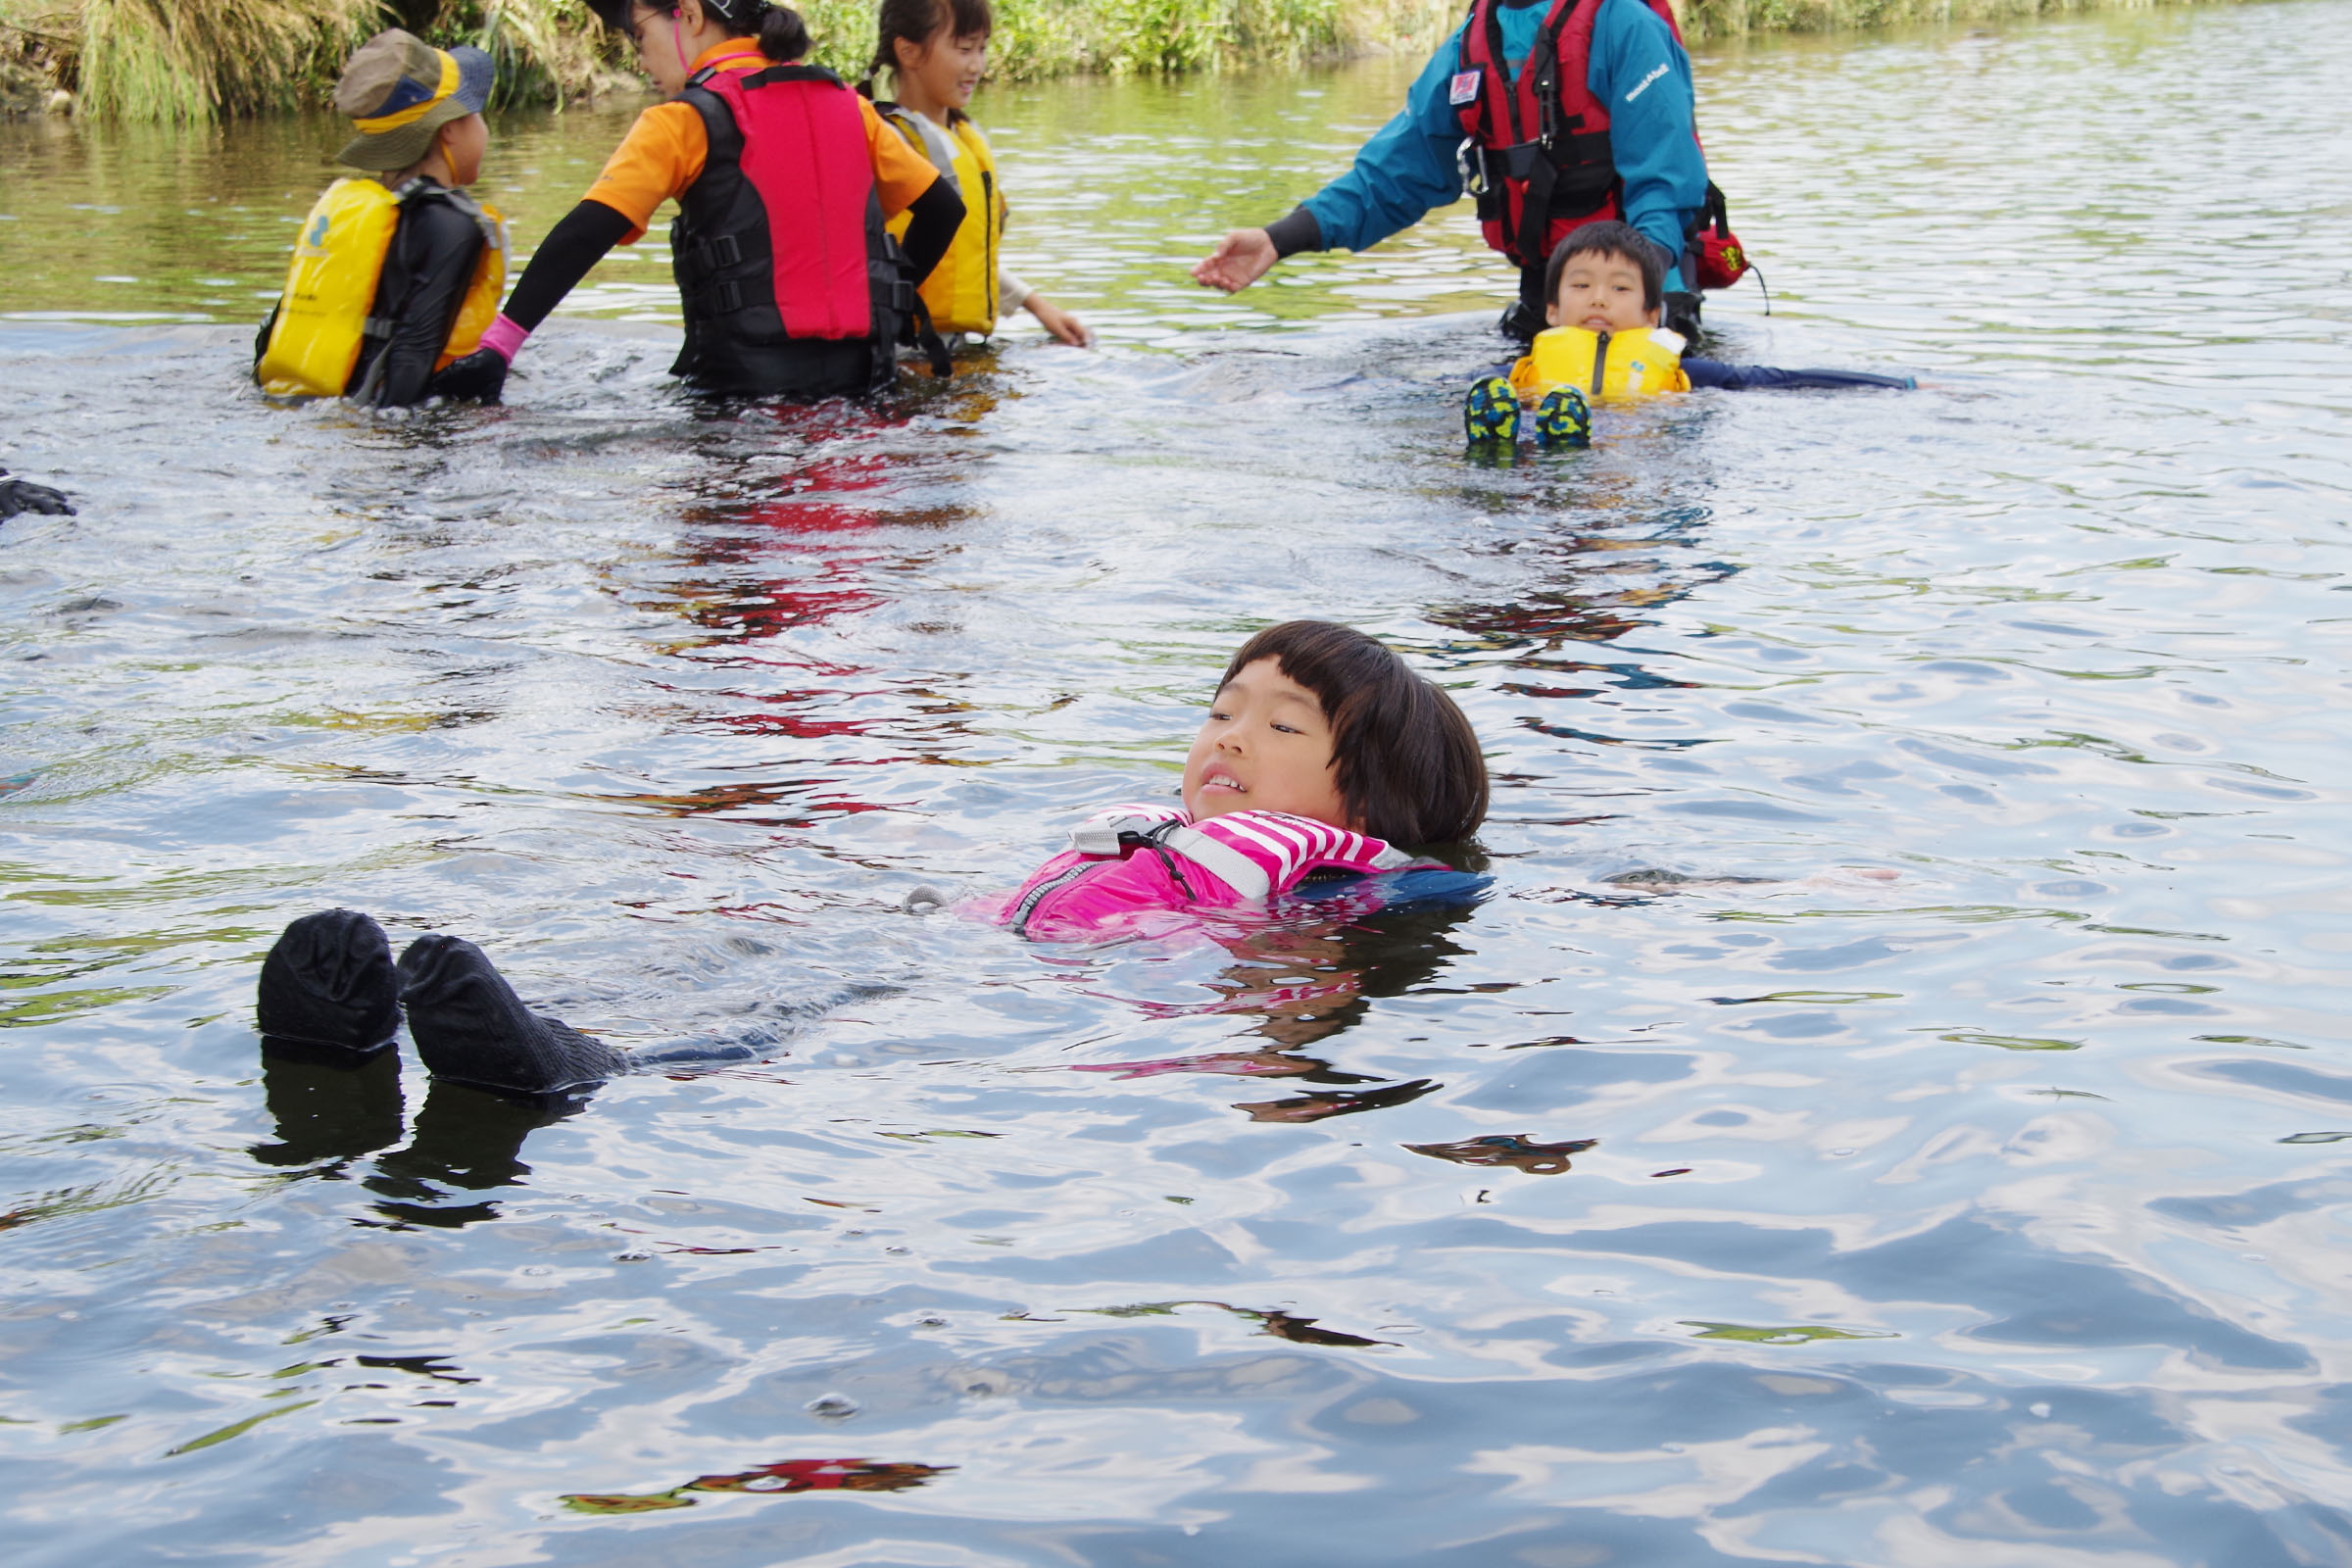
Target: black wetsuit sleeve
[[1295, 231], [425, 276], [577, 242], [931, 225], [1756, 378]]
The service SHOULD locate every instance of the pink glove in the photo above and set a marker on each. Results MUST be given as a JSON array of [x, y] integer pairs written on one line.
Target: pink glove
[[504, 336]]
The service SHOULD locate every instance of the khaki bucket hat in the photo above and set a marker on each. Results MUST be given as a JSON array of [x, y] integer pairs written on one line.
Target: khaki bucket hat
[[399, 90]]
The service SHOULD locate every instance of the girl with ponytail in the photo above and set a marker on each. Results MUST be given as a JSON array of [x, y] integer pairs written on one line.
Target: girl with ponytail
[[935, 52], [784, 180]]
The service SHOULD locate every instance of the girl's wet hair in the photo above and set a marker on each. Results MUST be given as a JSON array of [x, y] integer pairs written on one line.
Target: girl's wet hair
[[919, 21], [782, 34], [1408, 765]]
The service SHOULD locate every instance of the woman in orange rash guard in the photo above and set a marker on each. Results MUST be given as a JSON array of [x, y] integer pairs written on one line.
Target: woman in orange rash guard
[[784, 178]]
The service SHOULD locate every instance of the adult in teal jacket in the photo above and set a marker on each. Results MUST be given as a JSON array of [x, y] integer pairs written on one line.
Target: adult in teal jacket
[[1636, 67]]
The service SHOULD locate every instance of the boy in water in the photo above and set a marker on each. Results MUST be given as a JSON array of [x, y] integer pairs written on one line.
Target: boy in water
[[1604, 286], [395, 276]]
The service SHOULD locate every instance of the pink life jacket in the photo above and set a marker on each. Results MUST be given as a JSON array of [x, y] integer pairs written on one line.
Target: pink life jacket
[[1131, 860]]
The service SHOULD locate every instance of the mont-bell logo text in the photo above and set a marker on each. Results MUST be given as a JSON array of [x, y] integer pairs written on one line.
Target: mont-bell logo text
[[1643, 86]]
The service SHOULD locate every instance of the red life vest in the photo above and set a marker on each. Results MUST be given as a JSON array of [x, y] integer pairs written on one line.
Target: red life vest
[[789, 282], [1543, 139]]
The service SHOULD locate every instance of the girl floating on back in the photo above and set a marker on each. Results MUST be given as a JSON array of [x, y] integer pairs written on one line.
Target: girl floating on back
[[935, 51], [1322, 755]]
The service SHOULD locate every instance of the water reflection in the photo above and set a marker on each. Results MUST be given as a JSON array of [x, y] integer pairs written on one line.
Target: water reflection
[[781, 1479], [329, 1107]]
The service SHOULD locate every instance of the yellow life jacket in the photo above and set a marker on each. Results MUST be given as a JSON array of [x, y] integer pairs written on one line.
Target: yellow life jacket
[[1601, 364], [322, 317], [961, 291]]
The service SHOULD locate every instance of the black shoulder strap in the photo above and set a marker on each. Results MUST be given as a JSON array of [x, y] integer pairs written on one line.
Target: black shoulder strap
[[1544, 60], [719, 130], [1505, 89], [792, 73], [471, 209]]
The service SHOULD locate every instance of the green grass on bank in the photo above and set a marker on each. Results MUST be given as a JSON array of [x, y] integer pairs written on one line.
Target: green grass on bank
[[202, 60]]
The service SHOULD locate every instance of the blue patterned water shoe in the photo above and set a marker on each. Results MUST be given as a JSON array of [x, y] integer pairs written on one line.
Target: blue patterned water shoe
[[1491, 414], [1564, 418]]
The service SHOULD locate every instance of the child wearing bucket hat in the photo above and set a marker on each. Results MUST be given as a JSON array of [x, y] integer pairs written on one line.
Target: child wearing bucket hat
[[395, 275]]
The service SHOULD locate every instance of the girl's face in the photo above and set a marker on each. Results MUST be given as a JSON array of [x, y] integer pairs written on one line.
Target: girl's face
[[667, 42], [942, 69], [1264, 747], [463, 143]]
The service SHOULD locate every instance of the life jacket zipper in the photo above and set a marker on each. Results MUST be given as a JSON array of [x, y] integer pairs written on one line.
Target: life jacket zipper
[[1036, 896], [1600, 360], [987, 242]]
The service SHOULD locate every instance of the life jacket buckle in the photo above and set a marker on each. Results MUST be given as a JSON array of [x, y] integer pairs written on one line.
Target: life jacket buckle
[[1470, 162]]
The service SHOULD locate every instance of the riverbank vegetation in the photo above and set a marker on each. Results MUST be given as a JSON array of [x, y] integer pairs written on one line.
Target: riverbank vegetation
[[200, 60]]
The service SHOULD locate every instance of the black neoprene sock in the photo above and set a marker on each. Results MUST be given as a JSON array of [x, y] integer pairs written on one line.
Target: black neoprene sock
[[471, 1026], [329, 980]]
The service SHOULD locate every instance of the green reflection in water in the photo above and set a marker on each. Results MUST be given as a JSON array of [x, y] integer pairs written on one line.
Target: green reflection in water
[[1793, 1334], [1117, 185]]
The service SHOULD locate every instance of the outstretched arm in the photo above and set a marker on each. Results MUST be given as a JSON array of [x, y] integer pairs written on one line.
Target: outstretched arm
[[1403, 172], [577, 242], [1756, 378]]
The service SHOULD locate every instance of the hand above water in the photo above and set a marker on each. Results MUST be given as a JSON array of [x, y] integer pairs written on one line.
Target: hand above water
[[1061, 323], [1240, 260]]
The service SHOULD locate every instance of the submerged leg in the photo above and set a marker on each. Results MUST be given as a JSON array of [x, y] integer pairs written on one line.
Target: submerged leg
[[329, 980], [471, 1026]]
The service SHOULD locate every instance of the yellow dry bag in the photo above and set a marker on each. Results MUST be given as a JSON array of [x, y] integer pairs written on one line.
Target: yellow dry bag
[[322, 317], [1601, 364], [961, 291]]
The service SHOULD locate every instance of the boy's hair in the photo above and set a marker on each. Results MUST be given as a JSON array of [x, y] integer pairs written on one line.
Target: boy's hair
[[1408, 765], [1610, 238], [916, 20]]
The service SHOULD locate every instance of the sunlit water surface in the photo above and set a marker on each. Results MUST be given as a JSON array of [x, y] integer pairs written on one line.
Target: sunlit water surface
[[1994, 1213]]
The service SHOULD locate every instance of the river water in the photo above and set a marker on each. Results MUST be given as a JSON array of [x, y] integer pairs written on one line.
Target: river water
[[1705, 1195]]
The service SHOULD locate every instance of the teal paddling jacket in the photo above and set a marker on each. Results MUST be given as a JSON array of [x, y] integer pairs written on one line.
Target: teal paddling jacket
[[1408, 168]]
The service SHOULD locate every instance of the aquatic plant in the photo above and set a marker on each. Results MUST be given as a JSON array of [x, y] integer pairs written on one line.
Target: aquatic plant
[[548, 51], [200, 59], [156, 60], [1040, 38]]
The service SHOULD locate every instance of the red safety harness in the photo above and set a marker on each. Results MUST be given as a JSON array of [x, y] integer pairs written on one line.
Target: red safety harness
[[1543, 165]]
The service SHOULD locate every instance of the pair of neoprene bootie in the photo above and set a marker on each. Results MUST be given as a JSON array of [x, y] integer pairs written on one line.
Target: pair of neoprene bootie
[[1491, 416], [330, 980]]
